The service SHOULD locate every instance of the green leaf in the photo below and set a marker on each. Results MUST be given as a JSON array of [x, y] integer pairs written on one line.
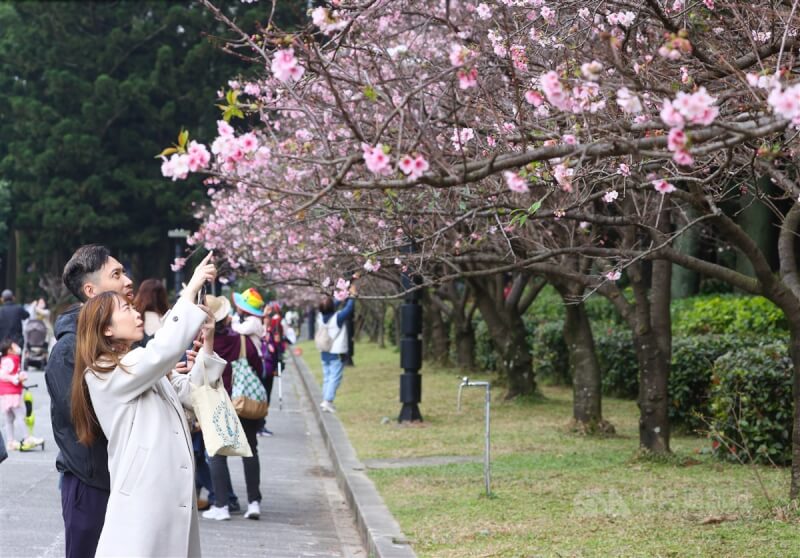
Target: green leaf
[[167, 152], [370, 94]]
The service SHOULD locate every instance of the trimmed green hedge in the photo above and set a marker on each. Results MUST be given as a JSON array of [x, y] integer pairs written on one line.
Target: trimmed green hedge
[[550, 355], [693, 359], [751, 404], [723, 314]]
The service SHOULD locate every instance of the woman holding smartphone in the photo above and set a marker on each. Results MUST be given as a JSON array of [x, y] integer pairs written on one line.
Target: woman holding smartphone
[[137, 399]]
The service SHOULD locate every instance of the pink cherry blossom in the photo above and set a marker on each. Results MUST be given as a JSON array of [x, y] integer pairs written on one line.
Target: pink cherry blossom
[[624, 169], [285, 66], [224, 130], [628, 101], [534, 98], [458, 55], [515, 182], [554, 91], [683, 157], [610, 196], [467, 79], [676, 139], [376, 160], [461, 137], [613, 275], [670, 116], [413, 167], [563, 175], [663, 187]]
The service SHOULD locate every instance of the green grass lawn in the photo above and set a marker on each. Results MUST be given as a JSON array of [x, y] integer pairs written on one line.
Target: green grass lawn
[[555, 493]]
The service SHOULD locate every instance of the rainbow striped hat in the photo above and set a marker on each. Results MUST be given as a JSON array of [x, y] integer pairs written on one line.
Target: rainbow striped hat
[[249, 301]]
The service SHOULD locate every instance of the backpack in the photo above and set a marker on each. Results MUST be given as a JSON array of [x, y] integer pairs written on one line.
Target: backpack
[[322, 338]]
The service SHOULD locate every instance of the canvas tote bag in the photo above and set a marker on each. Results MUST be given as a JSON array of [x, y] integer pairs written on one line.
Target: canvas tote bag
[[222, 431], [248, 393]]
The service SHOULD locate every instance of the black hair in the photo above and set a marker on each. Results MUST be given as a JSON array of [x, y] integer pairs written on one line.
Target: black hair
[[5, 345], [326, 305], [86, 260]]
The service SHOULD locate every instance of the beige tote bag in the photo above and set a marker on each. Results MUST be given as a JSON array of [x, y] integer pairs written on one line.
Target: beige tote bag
[[222, 431]]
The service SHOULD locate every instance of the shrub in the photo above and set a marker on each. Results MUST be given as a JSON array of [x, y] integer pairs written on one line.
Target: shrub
[[720, 314], [751, 404], [550, 356], [617, 358], [693, 359], [485, 354]]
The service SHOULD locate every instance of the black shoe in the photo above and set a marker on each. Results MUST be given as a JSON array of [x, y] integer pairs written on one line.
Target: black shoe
[[234, 507]]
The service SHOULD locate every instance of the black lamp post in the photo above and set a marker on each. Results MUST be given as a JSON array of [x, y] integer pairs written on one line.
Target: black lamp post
[[411, 350], [178, 235]]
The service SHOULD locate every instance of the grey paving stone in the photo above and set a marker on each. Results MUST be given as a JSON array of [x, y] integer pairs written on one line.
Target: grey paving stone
[[303, 513]]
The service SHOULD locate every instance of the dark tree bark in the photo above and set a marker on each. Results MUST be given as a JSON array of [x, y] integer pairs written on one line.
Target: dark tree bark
[[454, 302], [503, 316], [587, 407], [436, 332]]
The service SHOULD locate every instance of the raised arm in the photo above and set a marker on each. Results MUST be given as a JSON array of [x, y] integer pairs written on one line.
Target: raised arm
[[144, 367]]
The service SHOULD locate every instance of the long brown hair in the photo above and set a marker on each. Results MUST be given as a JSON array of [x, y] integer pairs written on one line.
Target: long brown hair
[[151, 297], [94, 353]]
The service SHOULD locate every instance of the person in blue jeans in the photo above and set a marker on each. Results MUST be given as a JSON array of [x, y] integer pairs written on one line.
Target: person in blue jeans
[[332, 364]]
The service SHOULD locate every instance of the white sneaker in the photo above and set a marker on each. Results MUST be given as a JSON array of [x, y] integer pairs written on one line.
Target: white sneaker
[[253, 511], [327, 406], [217, 513]]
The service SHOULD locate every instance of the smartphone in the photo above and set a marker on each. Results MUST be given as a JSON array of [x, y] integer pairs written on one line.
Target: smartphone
[[201, 294]]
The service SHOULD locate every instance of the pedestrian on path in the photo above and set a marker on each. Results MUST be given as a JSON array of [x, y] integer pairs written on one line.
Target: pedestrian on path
[[249, 313], [12, 406], [272, 348], [85, 480], [137, 400], [227, 344], [332, 358], [151, 302], [11, 317]]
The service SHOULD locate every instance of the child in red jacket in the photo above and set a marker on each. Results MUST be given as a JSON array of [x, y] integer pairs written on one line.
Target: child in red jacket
[[12, 406]]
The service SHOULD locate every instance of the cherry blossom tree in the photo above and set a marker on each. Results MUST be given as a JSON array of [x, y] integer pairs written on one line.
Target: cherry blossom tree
[[465, 138]]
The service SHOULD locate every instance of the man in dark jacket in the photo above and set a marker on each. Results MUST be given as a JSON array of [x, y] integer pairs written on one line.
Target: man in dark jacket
[[11, 317], [85, 483]]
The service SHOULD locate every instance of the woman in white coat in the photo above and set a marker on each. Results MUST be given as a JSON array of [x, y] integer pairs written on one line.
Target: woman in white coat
[[137, 400]]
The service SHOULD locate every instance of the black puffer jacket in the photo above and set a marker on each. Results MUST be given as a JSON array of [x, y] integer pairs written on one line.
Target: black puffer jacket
[[89, 464]]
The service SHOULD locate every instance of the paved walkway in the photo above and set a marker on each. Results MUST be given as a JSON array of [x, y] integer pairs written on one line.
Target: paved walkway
[[303, 513]]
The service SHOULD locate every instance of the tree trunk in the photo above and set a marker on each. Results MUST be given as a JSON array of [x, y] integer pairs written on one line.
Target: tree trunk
[[382, 327], [587, 400], [508, 334], [439, 337], [465, 345], [653, 341], [653, 401], [794, 349]]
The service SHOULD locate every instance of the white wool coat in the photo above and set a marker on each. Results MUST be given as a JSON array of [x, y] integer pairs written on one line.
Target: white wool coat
[[152, 509]]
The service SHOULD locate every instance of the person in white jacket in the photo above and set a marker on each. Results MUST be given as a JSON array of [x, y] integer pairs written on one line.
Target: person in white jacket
[[137, 399]]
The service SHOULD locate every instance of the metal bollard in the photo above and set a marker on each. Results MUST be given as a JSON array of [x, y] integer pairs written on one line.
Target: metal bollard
[[487, 467]]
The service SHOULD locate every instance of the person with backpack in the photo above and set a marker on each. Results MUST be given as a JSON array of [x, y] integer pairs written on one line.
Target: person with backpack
[[331, 340]]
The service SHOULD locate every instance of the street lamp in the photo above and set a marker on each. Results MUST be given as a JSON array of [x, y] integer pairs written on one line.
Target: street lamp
[[410, 349], [178, 234]]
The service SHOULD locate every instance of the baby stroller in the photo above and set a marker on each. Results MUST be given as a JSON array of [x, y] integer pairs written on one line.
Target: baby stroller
[[35, 351]]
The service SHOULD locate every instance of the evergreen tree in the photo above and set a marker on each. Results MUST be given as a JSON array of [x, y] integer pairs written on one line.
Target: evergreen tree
[[89, 93]]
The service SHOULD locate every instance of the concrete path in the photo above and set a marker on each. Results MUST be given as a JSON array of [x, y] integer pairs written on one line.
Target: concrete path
[[303, 513]]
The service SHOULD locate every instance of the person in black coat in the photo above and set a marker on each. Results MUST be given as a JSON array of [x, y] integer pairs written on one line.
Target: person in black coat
[[85, 483], [11, 317]]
